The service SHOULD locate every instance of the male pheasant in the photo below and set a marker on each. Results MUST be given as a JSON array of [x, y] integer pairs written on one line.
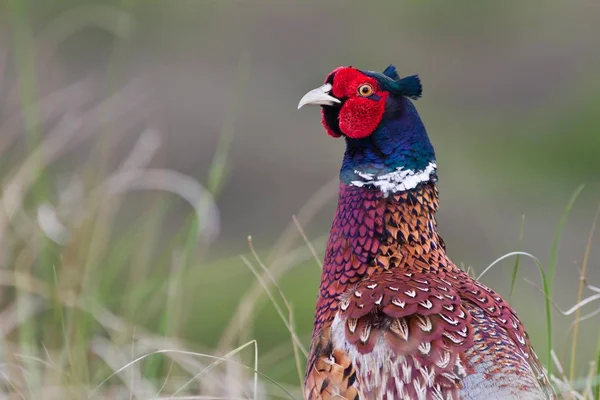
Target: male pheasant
[[395, 318]]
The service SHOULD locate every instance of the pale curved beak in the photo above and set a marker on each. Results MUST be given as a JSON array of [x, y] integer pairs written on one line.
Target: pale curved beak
[[319, 96]]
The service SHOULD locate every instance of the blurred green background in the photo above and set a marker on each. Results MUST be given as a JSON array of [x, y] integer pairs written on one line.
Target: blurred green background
[[105, 104]]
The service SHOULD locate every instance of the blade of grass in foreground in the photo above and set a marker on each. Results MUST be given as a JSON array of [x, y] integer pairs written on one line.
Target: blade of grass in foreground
[[24, 49], [559, 229], [219, 166], [548, 281], [545, 290], [216, 178], [584, 265], [516, 267]]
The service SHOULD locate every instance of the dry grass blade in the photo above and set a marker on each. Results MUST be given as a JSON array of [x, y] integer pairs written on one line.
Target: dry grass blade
[[316, 202], [583, 318], [308, 243], [165, 380], [71, 199], [591, 381], [170, 181], [584, 265], [514, 253], [564, 389], [51, 225], [71, 131], [265, 286], [296, 344], [12, 385], [144, 149], [280, 259], [554, 305], [295, 349], [559, 366], [593, 288], [217, 361], [115, 356], [241, 319], [580, 304]]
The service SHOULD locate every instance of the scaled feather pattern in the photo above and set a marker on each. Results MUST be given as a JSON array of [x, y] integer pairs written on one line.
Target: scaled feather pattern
[[395, 317]]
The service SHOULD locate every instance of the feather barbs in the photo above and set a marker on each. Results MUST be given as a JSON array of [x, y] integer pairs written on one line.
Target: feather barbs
[[390, 81]]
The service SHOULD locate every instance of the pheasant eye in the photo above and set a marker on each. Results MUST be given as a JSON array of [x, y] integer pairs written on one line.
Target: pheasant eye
[[365, 90]]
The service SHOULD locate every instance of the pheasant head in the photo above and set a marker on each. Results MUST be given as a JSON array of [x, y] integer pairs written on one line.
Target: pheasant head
[[387, 146], [395, 317]]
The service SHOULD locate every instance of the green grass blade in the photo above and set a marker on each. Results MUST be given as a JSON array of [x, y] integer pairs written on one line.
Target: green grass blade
[[24, 60], [219, 168], [548, 280], [556, 244], [518, 258], [584, 265]]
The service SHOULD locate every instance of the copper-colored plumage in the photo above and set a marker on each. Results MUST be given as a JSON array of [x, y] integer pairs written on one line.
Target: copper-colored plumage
[[397, 319]]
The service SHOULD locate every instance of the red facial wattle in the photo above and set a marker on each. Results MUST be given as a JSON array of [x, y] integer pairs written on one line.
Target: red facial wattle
[[359, 115]]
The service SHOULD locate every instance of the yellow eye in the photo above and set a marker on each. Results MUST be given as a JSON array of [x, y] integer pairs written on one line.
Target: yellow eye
[[365, 90]]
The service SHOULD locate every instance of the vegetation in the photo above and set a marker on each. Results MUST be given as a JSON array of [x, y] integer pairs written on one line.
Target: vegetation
[[109, 290]]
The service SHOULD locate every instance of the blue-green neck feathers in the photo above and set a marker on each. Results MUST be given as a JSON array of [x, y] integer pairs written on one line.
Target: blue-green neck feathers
[[400, 143]]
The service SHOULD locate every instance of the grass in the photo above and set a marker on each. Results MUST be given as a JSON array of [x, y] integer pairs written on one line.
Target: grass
[[98, 304], [568, 387], [580, 294], [71, 336], [548, 279], [515, 272]]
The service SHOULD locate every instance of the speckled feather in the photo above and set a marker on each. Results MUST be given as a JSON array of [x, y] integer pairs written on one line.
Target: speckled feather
[[395, 318], [388, 282]]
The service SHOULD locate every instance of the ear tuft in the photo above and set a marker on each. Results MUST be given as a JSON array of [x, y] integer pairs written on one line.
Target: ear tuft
[[409, 86], [391, 72]]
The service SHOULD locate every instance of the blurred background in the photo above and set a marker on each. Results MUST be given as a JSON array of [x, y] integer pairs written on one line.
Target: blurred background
[[143, 142]]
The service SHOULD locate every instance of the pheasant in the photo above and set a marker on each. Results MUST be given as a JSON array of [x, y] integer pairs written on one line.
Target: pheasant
[[395, 317]]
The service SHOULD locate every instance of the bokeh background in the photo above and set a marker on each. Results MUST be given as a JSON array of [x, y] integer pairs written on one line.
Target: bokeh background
[[142, 142]]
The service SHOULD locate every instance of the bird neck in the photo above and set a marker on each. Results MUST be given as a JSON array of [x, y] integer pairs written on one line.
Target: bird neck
[[372, 231], [396, 157], [386, 209], [410, 236]]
